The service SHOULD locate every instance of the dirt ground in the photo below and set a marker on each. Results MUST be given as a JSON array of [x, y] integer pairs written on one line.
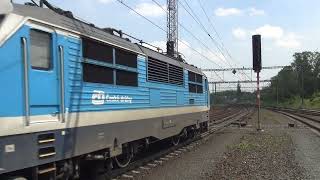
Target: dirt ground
[[278, 152]]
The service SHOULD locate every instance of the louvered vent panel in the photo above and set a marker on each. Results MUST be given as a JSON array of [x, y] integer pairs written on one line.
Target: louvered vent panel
[[160, 71], [175, 75]]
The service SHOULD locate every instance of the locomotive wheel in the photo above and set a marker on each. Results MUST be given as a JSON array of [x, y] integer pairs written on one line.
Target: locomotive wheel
[[192, 133], [175, 140], [124, 159]]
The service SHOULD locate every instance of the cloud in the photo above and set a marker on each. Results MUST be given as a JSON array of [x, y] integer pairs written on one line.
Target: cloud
[[150, 9], [275, 34], [239, 33], [159, 44], [105, 1], [236, 12], [191, 56], [212, 58], [183, 46], [269, 31], [227, 12], [256, 12], [290, 41]]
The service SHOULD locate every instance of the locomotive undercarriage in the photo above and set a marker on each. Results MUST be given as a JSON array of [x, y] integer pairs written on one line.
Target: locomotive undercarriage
[[99, 164]]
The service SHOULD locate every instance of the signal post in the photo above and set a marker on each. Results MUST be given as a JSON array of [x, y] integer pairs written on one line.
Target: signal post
[[256, 54]]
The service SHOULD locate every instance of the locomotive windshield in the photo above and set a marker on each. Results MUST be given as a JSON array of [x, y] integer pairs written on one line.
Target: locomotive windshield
[[1, 18]]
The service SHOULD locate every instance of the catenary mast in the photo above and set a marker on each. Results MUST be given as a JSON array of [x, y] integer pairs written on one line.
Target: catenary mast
[[172, 28]]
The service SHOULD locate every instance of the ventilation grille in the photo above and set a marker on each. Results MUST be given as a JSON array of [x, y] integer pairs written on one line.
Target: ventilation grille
[[46, 152], [46, 145], [175, 75], [163, 72], [46, 138]]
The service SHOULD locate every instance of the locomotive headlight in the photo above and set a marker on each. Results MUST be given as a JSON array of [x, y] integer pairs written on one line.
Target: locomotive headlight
[[5, 7]]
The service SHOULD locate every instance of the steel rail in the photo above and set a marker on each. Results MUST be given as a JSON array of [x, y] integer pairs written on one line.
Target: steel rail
[[301, 115]]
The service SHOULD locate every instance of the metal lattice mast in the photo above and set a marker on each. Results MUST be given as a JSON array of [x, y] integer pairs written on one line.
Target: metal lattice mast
[[172, 25]]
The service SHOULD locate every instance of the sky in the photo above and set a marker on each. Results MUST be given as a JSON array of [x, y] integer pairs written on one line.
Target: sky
[[286, 26]]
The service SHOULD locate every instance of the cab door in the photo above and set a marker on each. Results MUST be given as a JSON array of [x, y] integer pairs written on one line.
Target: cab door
[[43, 82]]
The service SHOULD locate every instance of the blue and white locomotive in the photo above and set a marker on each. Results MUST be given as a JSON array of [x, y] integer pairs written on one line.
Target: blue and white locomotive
[[71, 93]]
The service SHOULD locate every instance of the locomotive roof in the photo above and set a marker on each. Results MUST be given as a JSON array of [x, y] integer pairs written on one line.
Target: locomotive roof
[[156, 55], [51, 17]]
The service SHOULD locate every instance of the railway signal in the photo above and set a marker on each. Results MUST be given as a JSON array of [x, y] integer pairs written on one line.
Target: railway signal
[[256, 54]]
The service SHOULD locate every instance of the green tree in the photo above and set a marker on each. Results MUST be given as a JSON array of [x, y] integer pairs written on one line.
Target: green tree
[[302, 78], [302, 64]]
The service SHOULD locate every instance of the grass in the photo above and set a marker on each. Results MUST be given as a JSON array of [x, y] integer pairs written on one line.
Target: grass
[[259, 141], [309, 103], [312, 102], [244, 145]]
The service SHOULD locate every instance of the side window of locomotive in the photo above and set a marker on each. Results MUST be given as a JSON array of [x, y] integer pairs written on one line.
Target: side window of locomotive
[[97, 74], [192, 88], [191, 76], [97, 51], [195, 82], [129, 60], [199, 78], [101, 66], [199, 89], [40, 50], [126, 58], [126, 78]]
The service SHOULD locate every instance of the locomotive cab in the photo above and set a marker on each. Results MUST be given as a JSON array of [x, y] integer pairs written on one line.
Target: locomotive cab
[[32, 92], [35, 71]]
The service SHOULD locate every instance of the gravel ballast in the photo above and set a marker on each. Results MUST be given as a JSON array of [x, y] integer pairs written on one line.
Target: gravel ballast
[[260, 155], [277, 152]]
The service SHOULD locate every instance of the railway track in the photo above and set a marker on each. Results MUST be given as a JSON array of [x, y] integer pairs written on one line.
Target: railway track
[[310, 118], [151, 160]]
